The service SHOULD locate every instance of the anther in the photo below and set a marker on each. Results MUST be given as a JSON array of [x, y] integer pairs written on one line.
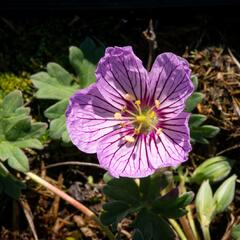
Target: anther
[[152, 115], [124, 109], [118, 115], [122, 124], [129, 139], [138, 130], [159, 131], [138, 102], [129, 97], [157, 104]]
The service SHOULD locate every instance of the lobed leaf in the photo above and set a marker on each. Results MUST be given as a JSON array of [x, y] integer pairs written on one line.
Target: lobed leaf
[[172, 206], [51, 87], [123, 189], [151, 186], [58, 127], [114, 212], [12, 101], [56, 110], [11, 186], [58, 72], [152, 226]]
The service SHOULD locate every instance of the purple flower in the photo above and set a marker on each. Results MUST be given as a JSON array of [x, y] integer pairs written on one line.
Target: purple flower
[[133, 119]]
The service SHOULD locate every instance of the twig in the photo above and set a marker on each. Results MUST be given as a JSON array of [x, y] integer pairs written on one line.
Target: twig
[[71, 201], [234, 58], [28, 213], [186, 227], [228, 149], [150, 36], [73, 163]]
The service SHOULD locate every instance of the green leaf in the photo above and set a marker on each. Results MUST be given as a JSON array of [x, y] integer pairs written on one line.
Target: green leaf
[[151, 186], [15, 157], [137, 235], [205, 203], [152, 226], [236, 232], [23, 110], [3, 170], [209, 131], [83, 68], [57, 110], [123, 189], [16, 127], [172, 206], [196, 120], [11, 186], [37, 130], [199, 134], [12, 101], [17, 131], [214, 169], [58, 72], [28, 143], [194, 79], [225, 194], [193, 101], [114, 212], [58, 127], [51, 88], [90, 51]]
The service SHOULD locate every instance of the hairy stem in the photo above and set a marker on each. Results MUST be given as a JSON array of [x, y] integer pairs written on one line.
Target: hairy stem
[[71, 201]]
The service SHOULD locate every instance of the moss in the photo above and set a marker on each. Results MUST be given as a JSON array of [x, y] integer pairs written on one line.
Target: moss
[[10, 82]]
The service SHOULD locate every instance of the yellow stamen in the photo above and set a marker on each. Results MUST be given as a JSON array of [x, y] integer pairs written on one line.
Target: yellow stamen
[[129, 97], [118, 115], [138, 130], [124, 124], [129, 139], [131, 113], [157, 104]]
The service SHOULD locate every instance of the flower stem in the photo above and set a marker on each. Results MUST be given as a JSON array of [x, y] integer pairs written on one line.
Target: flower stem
[[177, 228], [192, 223], [71, 201], [183, 179], [206, 232]]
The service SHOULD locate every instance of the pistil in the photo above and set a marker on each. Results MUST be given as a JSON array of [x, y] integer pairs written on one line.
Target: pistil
[[142, 120]]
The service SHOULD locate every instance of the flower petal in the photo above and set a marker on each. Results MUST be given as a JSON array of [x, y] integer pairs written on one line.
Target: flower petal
[[119, 73], [122, 158], [90, 118], [176, 138], [170, 84]]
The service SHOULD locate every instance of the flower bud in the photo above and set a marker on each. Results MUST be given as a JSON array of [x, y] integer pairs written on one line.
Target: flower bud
[[205, 203], [214, 169], [225, 194]]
